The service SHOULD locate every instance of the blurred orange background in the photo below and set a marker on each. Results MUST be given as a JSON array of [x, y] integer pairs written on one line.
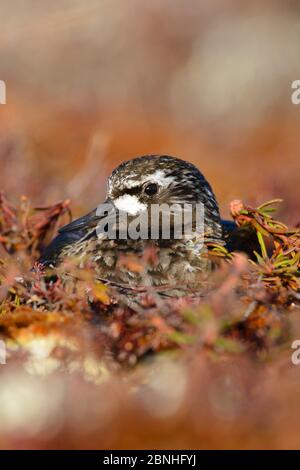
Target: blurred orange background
[[90, 84]]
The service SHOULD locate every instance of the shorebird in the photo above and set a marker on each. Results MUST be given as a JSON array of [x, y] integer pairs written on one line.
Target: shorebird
[[133, 189]]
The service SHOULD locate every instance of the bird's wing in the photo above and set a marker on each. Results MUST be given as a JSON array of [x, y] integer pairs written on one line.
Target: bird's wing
[[228, 226], [69, 235], [241, 239], [83, 223], [75, 231]]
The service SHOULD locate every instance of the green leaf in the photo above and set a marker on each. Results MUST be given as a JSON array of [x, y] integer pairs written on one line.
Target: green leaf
[[267, 206], [182, 338], [228, 345], [262, 245]]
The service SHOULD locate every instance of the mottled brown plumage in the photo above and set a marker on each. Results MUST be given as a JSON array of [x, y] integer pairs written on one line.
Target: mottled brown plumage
[[137, 184]]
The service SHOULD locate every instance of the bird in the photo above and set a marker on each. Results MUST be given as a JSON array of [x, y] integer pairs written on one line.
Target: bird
[[133, 188]]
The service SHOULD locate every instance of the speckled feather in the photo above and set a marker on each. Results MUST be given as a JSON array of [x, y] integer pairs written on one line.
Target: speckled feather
[[176, 262]]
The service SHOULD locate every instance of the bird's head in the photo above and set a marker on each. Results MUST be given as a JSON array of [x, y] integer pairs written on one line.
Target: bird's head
[[137, 184]]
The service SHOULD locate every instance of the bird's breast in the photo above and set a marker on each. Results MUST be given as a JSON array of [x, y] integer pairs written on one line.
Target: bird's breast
[[143, 262]]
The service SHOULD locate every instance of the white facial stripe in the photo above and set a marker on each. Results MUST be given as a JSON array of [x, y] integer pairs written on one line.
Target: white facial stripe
[[160, 178], [157, 177], [133, 183], [130, 204]]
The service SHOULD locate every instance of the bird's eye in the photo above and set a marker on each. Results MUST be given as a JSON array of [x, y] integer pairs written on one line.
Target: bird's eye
[[151, 189]]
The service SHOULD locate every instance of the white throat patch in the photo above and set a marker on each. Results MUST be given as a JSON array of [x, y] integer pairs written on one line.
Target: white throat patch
[[129, 204]]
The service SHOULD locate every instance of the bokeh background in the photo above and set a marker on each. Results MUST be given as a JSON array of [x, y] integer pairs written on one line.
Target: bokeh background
[[91, 83]]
